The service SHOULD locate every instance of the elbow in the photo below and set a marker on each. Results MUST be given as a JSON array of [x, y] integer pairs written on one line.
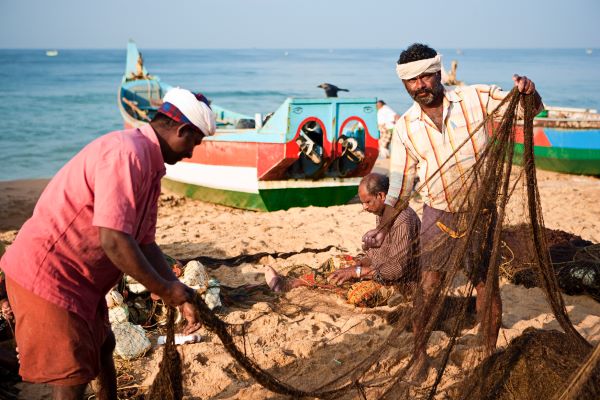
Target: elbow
[[109, 240]]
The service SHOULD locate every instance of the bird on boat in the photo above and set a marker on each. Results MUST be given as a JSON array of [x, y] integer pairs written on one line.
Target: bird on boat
[[331, 90]]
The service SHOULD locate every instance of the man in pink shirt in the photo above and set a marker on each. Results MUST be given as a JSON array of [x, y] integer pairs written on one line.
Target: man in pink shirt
[[96, 220]]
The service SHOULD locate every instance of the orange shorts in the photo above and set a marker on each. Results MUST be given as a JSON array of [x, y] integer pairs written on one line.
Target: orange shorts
[[55, 345]]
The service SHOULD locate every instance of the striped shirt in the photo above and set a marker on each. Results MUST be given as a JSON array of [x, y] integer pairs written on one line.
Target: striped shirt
[[419, 149], [397, 259]]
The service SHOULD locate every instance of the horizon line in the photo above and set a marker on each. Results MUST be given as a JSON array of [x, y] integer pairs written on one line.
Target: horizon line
[[295, 48]]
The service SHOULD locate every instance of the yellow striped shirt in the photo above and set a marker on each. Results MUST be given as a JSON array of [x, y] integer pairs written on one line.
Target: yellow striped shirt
[[419, 148]]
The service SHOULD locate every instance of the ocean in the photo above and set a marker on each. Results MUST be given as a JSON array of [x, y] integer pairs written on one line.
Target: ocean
[[51, 107]]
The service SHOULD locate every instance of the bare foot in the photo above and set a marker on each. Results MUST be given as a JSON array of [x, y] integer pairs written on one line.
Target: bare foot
[[275, 281], [419, 371]]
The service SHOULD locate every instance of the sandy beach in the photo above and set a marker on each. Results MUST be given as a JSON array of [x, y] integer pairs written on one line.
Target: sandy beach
[[303, 338]]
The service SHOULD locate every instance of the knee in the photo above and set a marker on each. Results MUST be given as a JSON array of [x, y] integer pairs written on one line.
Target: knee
[[429, 281]]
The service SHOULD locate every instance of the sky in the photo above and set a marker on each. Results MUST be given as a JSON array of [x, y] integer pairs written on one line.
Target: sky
[[284, 24]]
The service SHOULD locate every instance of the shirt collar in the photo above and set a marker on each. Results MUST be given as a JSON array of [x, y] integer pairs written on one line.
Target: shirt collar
[[158, 163], [450, 96]]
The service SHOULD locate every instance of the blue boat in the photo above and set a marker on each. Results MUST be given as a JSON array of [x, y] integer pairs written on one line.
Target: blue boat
[[308, 152]]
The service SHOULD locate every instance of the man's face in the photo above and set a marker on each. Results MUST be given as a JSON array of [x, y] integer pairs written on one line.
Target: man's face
[[425, 89], [183, 143], [373, 203]]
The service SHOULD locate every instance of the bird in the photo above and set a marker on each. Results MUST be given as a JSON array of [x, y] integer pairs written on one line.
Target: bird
[[331, 90]]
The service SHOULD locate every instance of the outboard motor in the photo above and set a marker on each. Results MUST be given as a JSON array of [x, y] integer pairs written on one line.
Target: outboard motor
[[310, 159], [350, 151], [309, 148]]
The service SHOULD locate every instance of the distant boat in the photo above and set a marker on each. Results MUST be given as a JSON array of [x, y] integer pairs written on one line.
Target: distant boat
[[565, 140], [51, 53], [589, 51], [309, 152]]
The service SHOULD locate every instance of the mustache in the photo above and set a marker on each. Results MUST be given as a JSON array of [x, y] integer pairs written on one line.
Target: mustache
[[423, 91]]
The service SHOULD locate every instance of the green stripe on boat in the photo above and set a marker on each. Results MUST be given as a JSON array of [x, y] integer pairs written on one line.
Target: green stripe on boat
[[561, 159], [267, 199]]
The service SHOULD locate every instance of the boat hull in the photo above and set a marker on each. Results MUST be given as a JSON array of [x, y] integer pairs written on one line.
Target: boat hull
[[565, 160], [571, 151], [277, 195]]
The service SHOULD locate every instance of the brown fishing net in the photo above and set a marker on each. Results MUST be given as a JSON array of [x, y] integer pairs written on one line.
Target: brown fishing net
[[168, 383], [495, 192], [576, 262], [531, 367]]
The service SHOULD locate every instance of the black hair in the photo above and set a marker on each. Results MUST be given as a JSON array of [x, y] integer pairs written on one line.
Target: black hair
[[416, 52], [381, 101], [375, 183]]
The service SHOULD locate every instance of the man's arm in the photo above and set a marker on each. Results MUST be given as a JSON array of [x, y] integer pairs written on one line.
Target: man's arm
[[127, 256], [403, 171], [345, 274], [156, 257], [391, 263], [495, 95], [375, 237]]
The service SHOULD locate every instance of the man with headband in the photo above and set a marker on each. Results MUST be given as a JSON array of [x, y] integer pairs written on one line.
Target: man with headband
[[95, 221], [440, 120]]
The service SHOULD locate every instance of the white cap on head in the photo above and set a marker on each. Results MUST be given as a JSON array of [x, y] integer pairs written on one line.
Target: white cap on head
[[416, 68], [195, 111]]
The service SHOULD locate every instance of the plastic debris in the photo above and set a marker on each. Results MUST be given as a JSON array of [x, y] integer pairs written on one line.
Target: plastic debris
[[212, 296], [180, 339]]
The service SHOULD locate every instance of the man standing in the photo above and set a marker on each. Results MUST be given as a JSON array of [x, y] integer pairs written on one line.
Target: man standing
[[426, 138], [386, 119], [96, 220]]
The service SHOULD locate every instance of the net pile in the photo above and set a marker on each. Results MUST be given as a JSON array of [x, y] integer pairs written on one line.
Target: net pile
[[488, 187]]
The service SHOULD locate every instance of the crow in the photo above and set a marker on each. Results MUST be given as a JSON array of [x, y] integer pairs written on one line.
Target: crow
[[331, 90]]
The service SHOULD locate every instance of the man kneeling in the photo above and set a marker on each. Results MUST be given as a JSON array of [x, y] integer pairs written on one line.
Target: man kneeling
[[394, 262]]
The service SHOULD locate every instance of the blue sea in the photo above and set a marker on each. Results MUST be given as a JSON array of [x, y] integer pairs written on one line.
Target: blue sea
[[51, 107]]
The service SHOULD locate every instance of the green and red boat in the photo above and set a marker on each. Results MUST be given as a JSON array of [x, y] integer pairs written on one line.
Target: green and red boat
[[565, 140], [309, 152]]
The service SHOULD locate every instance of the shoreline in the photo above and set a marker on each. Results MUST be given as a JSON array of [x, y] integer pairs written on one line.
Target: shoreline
[[18, 200]]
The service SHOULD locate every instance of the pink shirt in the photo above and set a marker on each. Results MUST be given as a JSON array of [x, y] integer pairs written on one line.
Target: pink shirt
[[114, 182]]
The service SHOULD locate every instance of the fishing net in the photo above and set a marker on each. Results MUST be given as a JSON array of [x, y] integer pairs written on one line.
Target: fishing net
[[576, 262], [471, 256], [531, 367]]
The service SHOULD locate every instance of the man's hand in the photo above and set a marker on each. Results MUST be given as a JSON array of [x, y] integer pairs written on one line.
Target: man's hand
[[6, 310], [189, 312], [523, 84], [342, 275], [373, 238], [175, 293]]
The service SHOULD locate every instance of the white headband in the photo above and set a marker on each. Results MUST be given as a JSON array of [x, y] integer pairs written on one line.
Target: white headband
[[416, 68], [196, 111]]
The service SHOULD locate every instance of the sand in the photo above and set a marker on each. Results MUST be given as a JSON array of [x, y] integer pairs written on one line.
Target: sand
[[307, 339]]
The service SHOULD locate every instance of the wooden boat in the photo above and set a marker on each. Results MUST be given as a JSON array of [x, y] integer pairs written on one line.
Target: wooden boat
[[309, 152], [566, 140]]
